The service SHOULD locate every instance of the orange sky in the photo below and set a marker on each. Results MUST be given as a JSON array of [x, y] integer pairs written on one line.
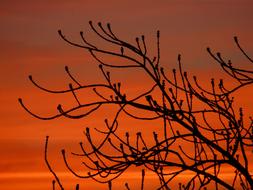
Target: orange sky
[[30, 45]]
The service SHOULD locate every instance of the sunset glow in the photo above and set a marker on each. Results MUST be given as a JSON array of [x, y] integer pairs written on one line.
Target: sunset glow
[[30, 45]]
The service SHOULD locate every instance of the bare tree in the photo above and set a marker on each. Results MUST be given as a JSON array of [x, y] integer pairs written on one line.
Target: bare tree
[[179, 103]]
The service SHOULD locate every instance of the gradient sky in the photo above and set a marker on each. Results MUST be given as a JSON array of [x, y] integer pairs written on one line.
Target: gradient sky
[[30, 45]]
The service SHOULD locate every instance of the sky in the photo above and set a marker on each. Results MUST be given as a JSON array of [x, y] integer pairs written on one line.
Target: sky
[[30, 45]]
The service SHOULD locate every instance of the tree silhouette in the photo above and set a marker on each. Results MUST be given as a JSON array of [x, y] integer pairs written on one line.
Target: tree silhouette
[[183, 107]]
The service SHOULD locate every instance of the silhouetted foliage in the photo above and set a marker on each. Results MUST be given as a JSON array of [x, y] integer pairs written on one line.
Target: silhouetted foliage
[[172, 100]]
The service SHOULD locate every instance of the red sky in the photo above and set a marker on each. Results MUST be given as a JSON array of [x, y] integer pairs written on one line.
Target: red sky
[[30, 45]]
